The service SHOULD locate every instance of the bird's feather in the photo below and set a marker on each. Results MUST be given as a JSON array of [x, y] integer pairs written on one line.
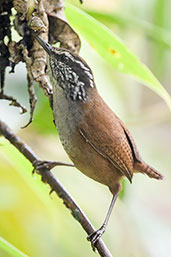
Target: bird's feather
[[109, 138]]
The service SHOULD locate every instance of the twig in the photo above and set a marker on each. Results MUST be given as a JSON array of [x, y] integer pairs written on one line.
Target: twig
[[14, 101], [55, 185]]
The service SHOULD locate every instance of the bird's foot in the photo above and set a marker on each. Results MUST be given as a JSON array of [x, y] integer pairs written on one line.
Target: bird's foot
[[95, 236], [38, 164]]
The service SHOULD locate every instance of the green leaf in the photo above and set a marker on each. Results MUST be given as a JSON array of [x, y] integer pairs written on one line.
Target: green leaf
[[23, 167], [10, 249], [154, 32], [113, 50], [159, 51]]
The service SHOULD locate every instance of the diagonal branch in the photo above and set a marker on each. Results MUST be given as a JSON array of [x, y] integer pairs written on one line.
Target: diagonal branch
[[55, 185]]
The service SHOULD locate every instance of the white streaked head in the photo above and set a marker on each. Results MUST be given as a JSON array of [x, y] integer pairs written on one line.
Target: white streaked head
[[70, 71]]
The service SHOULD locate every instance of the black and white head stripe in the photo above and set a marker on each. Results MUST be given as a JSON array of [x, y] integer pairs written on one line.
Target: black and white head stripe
[[72, 73]]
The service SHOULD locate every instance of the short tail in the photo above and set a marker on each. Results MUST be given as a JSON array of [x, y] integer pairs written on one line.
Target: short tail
[[145, 168]]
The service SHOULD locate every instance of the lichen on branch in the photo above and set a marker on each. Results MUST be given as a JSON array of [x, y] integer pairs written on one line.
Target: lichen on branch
[[46, 17]]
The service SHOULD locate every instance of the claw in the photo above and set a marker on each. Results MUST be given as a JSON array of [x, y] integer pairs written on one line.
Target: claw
[[95, 236], [48, 165]]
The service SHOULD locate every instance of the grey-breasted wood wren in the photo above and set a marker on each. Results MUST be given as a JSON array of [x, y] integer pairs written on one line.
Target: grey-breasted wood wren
[[95, 139]]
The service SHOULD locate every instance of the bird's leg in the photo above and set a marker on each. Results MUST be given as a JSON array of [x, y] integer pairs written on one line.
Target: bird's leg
[[38, 164], [96, 235]]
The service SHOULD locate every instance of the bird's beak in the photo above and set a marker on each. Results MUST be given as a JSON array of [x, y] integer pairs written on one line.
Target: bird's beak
[[47, 47]]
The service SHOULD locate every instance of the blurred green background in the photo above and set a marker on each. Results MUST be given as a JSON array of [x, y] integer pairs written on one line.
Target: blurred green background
[[140, 225]]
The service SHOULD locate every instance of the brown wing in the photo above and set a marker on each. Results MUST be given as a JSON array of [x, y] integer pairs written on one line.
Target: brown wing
[[131, 142], [104, 132]]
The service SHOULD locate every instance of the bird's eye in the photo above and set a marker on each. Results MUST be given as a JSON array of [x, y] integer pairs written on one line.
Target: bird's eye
[[65, 59]]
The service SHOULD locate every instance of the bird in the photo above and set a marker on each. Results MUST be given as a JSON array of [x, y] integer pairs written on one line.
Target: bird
[[95, 139]]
